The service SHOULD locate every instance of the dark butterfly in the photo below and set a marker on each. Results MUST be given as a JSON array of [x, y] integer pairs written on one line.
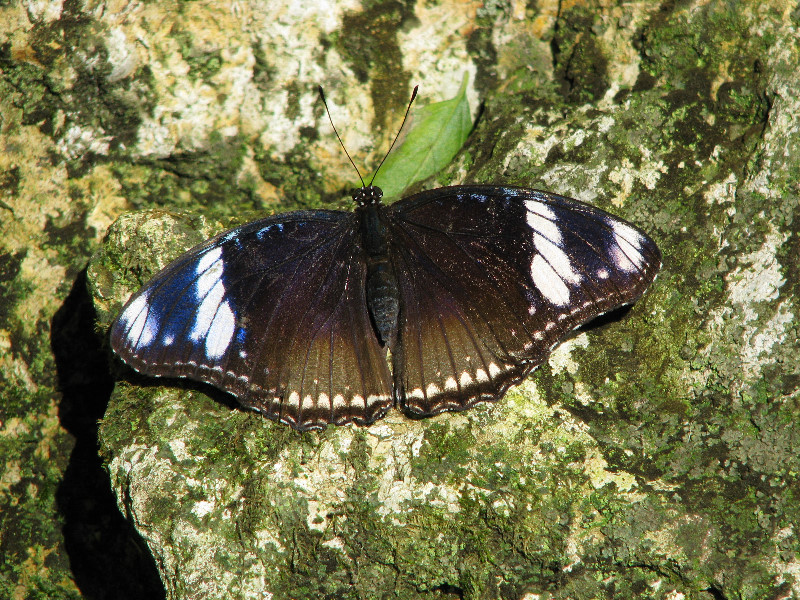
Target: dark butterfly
[[469, 287]]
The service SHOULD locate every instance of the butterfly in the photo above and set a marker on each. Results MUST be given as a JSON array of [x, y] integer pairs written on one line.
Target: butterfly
[[435, 303]]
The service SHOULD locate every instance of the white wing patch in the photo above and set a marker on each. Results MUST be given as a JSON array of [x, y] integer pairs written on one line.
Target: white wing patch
[[416, 393], [627, 253], [556, 258], [541, 218], [215, 321], [144, 326], [548, 282], [209, 268], [375, 398], [221, 331], [551, 268], [294, 400]]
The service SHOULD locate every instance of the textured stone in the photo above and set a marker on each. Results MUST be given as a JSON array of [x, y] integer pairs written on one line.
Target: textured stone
[[654, 456]]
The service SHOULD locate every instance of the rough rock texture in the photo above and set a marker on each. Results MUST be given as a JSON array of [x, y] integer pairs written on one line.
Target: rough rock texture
[[653, 457]]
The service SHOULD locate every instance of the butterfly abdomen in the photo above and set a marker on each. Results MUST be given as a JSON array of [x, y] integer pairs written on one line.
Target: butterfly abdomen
[[383, 297]]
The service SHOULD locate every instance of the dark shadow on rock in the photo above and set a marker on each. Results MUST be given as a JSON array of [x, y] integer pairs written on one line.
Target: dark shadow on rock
[[109, 559], [612, 316]]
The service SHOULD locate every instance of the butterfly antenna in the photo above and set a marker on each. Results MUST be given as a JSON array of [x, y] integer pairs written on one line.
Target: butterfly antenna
[[322, 95], [399, 131]]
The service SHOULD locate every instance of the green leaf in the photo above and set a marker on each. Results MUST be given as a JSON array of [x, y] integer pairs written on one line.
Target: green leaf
[[437, 133]]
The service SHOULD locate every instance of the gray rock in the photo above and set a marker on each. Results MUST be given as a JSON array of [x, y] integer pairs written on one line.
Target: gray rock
[[652, 457]]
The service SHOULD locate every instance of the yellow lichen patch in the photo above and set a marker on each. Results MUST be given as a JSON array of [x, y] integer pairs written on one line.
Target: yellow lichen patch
[[34, 567], [50, 429], [523, 42], [627, 175], [544, 19], [100, 190], [191, 108], [596, 467], [561, 357], [619, 24], [41, 271], [16, 369], [436, 48], [5, 343], [13, 428], [249, 175], [14, 27], [42, 192], [11, 475]]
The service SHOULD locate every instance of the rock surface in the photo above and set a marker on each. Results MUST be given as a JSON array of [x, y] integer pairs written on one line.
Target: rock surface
[[654, 456]]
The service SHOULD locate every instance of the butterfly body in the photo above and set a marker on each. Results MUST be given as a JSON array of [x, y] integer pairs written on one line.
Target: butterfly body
[[383, 298], [469, 287]]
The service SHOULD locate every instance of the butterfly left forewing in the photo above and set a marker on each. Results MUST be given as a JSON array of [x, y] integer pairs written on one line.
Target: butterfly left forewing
[[491, 278]]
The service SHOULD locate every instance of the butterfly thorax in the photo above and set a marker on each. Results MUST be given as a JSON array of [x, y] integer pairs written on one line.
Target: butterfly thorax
[[383, 296]]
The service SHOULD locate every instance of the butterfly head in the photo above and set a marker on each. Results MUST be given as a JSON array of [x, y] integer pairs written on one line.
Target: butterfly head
[[369, 194]]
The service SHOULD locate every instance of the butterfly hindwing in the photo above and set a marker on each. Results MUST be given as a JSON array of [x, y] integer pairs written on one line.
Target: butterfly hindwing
[[491, 278], [273, 312]]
